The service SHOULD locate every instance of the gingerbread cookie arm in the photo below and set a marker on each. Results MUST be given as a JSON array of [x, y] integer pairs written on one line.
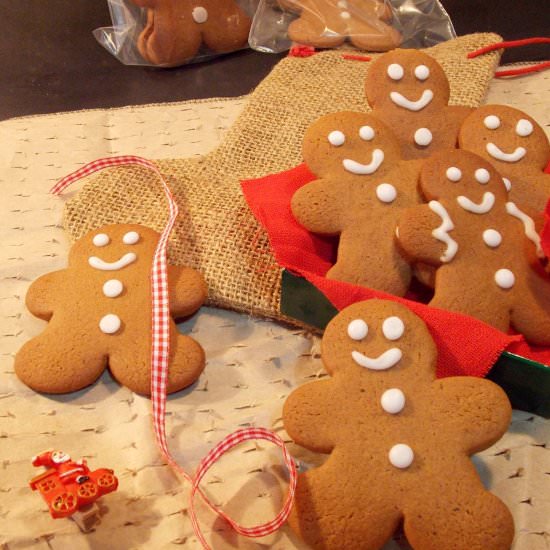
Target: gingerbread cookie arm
[[307, 416], [477, 410], [424, 234], [42, 297], [318, 208], [188, 290]]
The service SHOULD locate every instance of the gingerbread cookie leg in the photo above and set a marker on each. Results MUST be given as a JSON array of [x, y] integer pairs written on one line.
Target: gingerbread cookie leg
[[59, 361], [458, 516]]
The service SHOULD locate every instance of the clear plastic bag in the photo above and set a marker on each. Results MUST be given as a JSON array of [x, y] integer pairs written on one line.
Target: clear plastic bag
[[372, 25], [168, 33]]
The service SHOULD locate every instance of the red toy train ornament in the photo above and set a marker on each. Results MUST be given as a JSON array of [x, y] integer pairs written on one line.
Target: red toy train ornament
[[68, 486]]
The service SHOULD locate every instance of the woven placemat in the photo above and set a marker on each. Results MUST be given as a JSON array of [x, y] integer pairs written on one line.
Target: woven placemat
[[252, 364]]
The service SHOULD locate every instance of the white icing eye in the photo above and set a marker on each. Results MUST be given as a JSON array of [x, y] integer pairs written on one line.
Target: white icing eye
[[395, 71], [132, 237], [482, 176], [336, 138], [491, 122], [386, 192], [422, 72], [199, 14], [393, 328], [423, 137], [366, 133], [507, 183], [453, 173], [358, 329], [101, 239], [524, 128]]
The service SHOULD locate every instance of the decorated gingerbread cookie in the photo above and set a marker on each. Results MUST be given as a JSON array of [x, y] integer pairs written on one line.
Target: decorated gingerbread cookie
[[516, 146], [329, 23], [362, 187], [175, 29], [99, 315], [486, 249], [409, 91], [399, 441]]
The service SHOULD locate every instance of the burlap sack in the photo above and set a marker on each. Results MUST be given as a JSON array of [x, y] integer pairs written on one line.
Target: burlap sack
[[216, 232]]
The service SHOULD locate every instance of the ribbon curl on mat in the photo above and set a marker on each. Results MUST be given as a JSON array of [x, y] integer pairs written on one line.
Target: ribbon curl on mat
[[466, 345], [160, 352]]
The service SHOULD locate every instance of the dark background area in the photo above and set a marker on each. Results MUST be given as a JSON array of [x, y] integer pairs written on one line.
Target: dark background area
[[50, 61]]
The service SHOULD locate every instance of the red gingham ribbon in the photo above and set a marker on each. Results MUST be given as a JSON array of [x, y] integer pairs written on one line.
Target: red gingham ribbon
[[160, 353]]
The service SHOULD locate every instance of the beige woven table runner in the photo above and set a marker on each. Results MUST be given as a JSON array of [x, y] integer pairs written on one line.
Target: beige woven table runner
[[252, 364]]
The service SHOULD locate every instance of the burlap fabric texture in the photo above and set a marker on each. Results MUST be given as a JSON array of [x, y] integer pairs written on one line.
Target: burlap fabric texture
[[216, 233]]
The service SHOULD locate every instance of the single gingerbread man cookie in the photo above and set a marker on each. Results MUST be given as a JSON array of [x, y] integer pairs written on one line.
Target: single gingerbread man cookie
[[175, 29], [399, 441], [516, 146], [362, 187], [486, 249], [99, 315], [409, 91], [329, 23]]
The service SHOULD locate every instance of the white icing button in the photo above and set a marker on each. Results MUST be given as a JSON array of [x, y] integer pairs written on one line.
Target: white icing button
[[422, 72], [453, 173], [401, 455], [132, 237], [113, 288], [524, 128], [345, 15], [358, 329], [492, 238], [507, 184], [504, 278], [109, 324], [482, 176], [336, 138], [101, 239], [395, 71], [342, 4], [423, 137], [386, 192], [491, 122], [393, 401], [366, 133], [200, 15], [393, 328]]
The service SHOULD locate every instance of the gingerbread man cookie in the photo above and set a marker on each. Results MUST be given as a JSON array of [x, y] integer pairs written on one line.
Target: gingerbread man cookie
[[99, 315], [175, 29], [399, 441], [409, 91], [516, 146], [486, 249], [329, 23], [363, 185]]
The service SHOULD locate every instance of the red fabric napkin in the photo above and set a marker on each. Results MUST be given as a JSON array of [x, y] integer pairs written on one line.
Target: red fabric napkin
[[466, 346]]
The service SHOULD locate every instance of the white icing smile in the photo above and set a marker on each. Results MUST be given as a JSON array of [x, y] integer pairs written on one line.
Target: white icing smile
[[483, 207], [497, 153], [365, 169], [384, 361], [98, 263], [401, 101]]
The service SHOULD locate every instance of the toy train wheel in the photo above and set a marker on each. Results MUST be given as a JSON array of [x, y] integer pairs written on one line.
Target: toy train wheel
[[65, 502], [47, 485], [87, 490], [107, 481]]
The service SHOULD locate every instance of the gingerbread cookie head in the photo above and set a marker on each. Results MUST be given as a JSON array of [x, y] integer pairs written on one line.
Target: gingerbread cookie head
[[382, 338], [347, 143], [99, 315], [507, 137], [462, 178], [407, 80]]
